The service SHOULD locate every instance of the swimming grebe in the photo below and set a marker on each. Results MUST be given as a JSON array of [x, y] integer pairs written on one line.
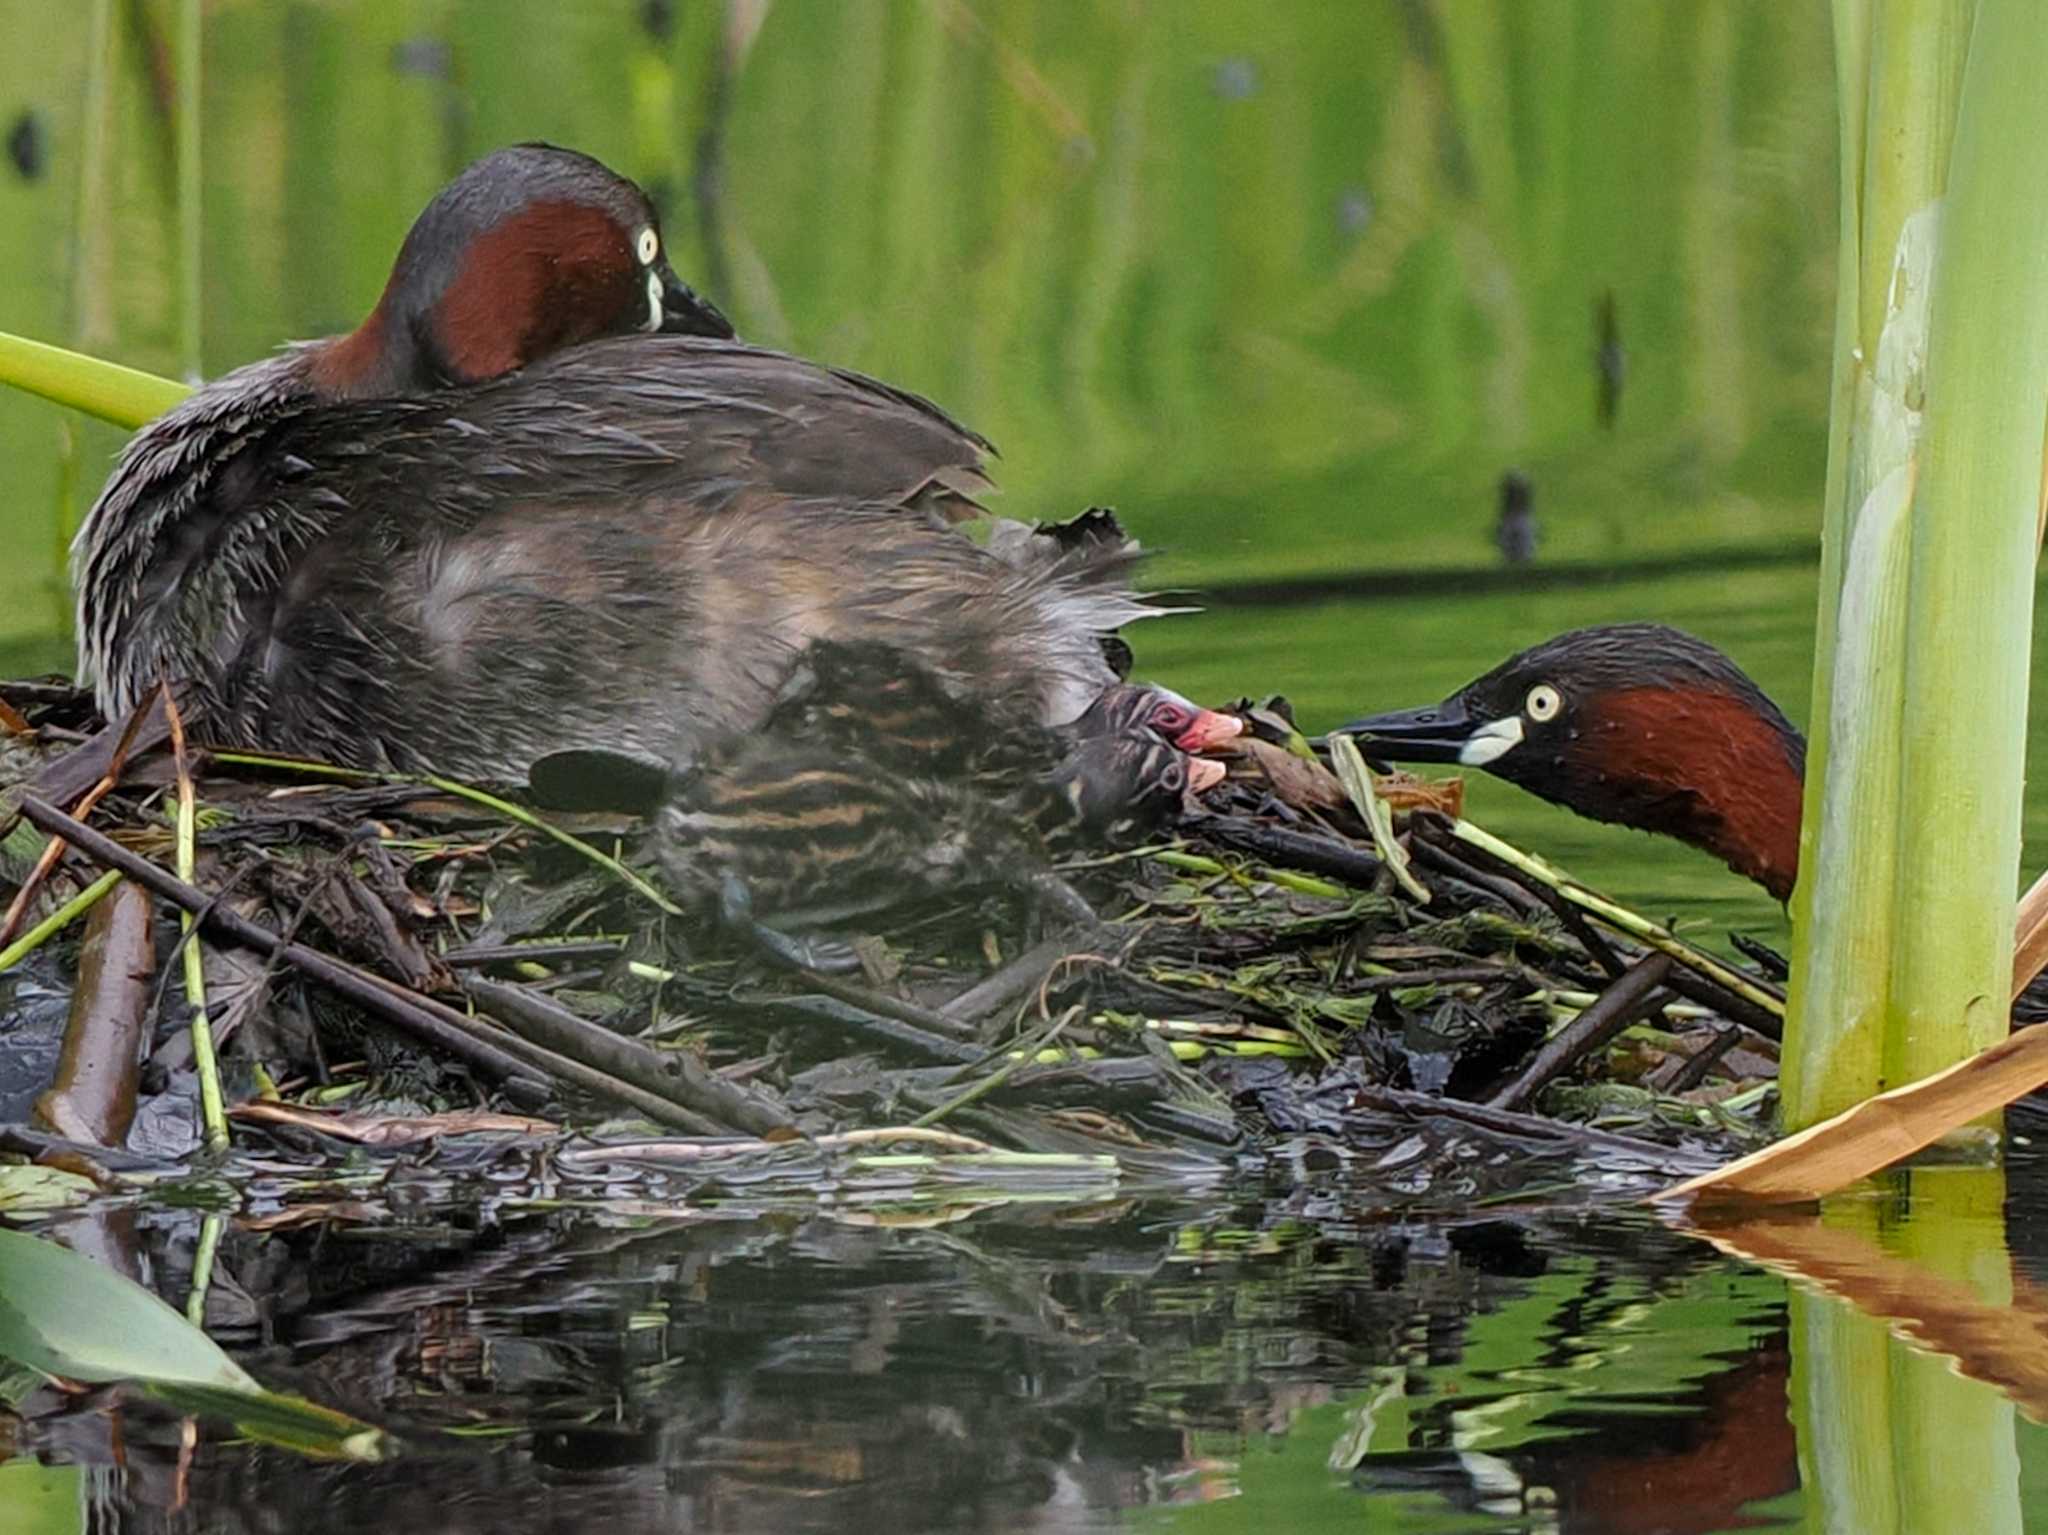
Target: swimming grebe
[[1638, 724], [538, 502]]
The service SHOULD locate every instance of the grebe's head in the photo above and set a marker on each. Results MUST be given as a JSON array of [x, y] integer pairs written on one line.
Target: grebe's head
[[529, 250], [1638, 724]]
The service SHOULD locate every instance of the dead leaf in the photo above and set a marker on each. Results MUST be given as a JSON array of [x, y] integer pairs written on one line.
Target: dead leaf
[[1878, 1132], [391, 1129], [1405, 791]]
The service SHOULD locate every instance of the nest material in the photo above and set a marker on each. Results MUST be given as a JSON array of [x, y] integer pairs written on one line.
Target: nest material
[[1262, 974]]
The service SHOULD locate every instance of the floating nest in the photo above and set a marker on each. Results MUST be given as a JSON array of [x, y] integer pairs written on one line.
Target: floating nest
[[1321, 961]]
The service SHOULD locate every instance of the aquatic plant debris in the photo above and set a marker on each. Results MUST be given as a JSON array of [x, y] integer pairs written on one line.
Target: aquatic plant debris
[[434, 952]]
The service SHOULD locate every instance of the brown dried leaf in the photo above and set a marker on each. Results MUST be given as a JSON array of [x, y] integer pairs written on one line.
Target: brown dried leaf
[[1879, 1131], [1405, 791], [390, 1129]]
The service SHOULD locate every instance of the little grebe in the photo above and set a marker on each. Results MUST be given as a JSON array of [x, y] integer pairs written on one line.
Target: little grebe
[[1637, 724], [524, 509]]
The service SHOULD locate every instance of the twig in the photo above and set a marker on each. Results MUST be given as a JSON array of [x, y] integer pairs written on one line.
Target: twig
[[1451, 975], [686, 1153], [27, 694], [1007, 984], [1617, 916], [873, 1001], [478, 955], [1689, 1071], [1621, 1004], [107, 753], [1423, 831], [413, 1014], [1296, 849], [54, 849], [675, 1076], [1025, 1055], [1394, 1100], [893, 1032]]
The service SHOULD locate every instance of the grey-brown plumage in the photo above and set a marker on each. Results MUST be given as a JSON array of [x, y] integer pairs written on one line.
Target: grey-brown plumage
[[624, 542], [1114, 772], [627, 544]]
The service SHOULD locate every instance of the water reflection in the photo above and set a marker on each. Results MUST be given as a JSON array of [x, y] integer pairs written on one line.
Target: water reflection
[[1048, 1370], [1306, 1350]]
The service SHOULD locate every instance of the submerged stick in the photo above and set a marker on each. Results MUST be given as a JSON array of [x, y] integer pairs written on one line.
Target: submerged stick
[[92, 1093]]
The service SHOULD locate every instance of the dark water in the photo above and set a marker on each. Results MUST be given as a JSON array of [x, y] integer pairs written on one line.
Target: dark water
[[1310, 1351], [1292, 286]]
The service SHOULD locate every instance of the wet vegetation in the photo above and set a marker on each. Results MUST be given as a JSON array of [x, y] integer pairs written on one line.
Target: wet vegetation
[[1279, 963], [1298, 1186]]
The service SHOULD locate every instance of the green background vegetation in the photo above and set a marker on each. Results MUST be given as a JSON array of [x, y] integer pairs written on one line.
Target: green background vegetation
[[1290, 286]]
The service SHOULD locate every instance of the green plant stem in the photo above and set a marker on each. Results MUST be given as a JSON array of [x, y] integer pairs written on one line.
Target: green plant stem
[[1642, 929], [202, 1268], [127, 397], [188, 64], [205, 1062], [1970, 619], [57, 921], [1902, 921]]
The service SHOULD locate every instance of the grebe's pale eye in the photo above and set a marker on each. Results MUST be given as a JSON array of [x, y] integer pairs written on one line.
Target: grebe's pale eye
[[1543, 703], [647, 245]]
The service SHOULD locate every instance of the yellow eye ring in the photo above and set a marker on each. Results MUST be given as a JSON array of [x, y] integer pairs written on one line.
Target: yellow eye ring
[[1543, 703], [647, 245]]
